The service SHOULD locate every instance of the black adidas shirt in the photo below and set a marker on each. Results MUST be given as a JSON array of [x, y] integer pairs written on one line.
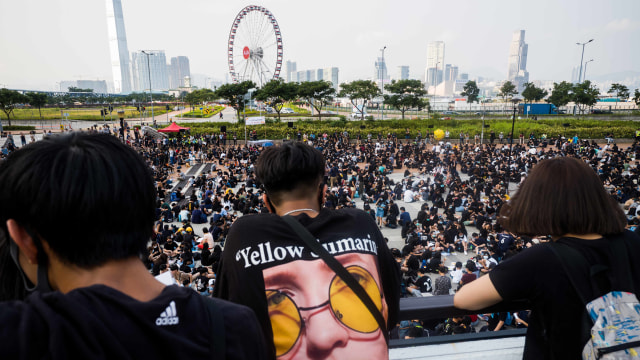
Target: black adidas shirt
[[99, 322]]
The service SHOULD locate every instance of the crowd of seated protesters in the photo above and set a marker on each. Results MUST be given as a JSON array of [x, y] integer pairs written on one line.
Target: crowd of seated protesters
[[456, 215]]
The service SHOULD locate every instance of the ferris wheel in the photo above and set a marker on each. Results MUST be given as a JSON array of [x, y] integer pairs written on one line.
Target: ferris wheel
[[255, 46]]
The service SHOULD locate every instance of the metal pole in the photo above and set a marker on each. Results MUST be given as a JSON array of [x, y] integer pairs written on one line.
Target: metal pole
[[582, 58], [513, 124], [584, 75], [381, 70], [150, 91]]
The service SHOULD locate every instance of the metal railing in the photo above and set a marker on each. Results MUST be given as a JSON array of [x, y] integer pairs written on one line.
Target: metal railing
[[441, 307]]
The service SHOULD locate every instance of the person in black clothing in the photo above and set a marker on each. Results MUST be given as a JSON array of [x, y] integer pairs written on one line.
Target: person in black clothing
[[565, 198], [305, 309], [84, 289]]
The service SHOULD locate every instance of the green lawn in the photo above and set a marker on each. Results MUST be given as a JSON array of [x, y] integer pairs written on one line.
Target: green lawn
[[200, 113], [80, 113]]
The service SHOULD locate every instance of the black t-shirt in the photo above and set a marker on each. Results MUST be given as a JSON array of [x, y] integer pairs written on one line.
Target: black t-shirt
[[424, 284], [262, 247], [495, 319], [536, 274], [170, 245], [101, 322]]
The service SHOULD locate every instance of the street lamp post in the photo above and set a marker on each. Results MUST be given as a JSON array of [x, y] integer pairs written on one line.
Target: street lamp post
[[584, 76], [381, 70], [150, 93], [245, 112], [513, 125], [582, 58]]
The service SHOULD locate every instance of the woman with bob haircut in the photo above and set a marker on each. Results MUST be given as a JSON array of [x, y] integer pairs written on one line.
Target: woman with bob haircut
[[563, 198]]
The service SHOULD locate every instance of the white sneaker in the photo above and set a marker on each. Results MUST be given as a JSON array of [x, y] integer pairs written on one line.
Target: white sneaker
[[465, 253]]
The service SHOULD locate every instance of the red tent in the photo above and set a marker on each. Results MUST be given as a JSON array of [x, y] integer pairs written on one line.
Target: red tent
[[173, 128]]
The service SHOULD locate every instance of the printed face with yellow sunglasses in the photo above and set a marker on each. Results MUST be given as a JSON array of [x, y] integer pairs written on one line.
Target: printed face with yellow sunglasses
[[314, 314]]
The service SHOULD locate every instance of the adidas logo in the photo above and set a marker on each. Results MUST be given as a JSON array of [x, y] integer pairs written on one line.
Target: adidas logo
[[169, 316]]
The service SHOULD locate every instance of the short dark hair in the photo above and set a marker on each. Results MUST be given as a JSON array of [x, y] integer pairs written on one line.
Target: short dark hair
[[90, 197], [560, 196], [288, 167]]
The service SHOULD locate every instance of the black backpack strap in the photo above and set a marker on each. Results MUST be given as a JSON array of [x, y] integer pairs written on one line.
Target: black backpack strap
[[335, 265], [218, 341], [622, 261], [576, 267], [578, 270]]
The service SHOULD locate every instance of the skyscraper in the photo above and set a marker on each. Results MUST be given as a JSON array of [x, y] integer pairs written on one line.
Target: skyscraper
[[290, 70], [331, 74], [403, 72], [518, 73], [157, 62], [380, 70], [450, 73], [435, 63], [118, 46], [179, 69]]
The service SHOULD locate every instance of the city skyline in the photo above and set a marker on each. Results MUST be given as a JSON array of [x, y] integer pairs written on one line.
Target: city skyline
[[74, 37]]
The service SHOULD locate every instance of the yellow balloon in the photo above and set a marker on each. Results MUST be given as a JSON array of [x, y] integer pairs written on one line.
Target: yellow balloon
[[438, 134]]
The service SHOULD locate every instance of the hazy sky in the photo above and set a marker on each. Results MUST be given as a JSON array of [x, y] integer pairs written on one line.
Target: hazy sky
[[45, 41]]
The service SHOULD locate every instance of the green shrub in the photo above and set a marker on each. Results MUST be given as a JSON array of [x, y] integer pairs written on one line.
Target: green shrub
[[552, 127], [18, 128]]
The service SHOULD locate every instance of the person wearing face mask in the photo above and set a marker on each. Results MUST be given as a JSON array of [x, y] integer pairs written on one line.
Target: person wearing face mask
[[306, 310], [84, 290]]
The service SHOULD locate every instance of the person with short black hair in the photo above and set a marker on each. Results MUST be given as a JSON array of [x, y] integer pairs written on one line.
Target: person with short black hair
[[89, 293], [443, 283], [305, 309]]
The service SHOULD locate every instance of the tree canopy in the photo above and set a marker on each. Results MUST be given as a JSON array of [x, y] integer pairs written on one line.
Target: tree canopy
[[276, 92], [471, 91], [507, 90], [636, 97], [9, 99], [38, 100], [317, 94], [533, 93], [359, 93], [585, 95], [234, 93], [561, 94], [199, 96], [621, 91], [77, 89], [406, 94]]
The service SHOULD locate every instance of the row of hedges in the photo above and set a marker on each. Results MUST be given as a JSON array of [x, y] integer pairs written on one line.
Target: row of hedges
[[591, 129], [18, 128]]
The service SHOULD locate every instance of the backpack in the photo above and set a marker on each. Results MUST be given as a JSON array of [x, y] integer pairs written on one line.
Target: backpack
[[611, 323]]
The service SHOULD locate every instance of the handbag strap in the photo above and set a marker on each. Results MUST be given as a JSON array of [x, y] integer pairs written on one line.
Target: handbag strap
[[335, 265]]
